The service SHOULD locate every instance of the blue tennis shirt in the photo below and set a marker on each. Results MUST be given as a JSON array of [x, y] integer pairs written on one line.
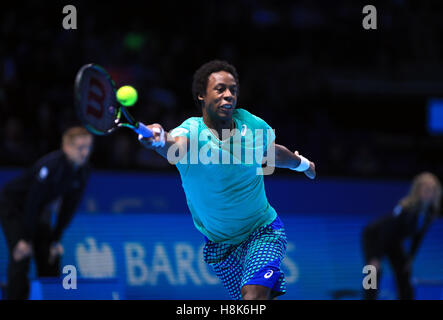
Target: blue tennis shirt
[[222, 178]]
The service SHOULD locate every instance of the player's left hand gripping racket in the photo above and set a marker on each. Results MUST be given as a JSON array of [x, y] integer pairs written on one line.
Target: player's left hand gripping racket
[[97, 105]]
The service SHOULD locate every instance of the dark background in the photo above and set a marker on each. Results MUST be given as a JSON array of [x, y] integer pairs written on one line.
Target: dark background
[[352, 100]]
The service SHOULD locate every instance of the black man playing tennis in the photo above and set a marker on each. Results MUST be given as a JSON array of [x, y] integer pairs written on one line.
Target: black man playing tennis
[[245, 239]]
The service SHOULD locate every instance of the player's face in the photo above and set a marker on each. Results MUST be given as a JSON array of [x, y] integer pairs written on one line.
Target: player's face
[[220, 99], [79, 149]]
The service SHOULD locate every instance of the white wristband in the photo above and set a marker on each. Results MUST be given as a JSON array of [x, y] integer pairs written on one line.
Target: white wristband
[[303, 166]]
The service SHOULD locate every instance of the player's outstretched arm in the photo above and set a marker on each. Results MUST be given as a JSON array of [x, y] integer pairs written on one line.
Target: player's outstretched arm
[[294, 161], [170, 148]]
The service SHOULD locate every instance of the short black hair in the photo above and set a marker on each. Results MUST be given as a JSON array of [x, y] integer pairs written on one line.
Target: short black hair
[[201, 77]]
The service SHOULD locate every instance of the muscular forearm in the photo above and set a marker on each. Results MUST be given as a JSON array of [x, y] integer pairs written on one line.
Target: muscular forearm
[[285, 158], [171, 150], [169, 147]]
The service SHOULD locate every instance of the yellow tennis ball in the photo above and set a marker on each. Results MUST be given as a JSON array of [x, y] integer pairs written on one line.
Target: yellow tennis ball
[[127, 96]]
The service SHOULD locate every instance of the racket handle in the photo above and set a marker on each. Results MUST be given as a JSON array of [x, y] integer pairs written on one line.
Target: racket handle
[[143, 130]]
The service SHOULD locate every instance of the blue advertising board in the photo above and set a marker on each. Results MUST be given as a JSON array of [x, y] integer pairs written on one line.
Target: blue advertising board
[[139, 242], [112, 192], [159, 256]]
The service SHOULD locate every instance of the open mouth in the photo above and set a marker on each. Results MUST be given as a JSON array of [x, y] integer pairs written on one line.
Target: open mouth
[[227, 107]]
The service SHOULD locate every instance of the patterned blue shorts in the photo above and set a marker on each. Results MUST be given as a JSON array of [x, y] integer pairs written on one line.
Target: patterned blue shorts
[[254, 261]]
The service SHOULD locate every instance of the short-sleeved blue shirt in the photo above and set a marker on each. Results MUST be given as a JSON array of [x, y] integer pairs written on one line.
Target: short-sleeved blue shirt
[[223, 179]]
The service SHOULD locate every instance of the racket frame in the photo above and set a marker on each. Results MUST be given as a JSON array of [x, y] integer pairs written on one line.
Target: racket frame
[[119, 109]]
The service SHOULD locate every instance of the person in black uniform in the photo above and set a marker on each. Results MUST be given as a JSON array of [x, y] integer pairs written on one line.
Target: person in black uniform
[[388, 235], [25, 213]]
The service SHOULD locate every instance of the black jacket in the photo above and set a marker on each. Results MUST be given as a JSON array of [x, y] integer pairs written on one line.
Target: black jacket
[[51, 177], [388, 232]]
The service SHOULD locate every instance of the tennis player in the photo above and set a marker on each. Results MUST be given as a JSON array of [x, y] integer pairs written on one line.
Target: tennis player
[[224, 185]]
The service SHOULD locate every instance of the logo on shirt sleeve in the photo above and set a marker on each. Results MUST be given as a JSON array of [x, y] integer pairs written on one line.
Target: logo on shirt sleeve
[[43, 173], [243, 130], [397, 210]]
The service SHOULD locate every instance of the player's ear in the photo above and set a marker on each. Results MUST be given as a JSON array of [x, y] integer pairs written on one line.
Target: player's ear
[[201, 99]]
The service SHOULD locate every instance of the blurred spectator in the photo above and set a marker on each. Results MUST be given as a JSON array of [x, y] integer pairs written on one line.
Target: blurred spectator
[[399, 234]]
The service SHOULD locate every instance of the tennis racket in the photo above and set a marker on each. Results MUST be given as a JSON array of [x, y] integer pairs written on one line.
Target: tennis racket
[[97, 106]]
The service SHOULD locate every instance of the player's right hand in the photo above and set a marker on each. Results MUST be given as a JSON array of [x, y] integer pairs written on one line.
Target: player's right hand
[[158, 138], [22, 250]]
